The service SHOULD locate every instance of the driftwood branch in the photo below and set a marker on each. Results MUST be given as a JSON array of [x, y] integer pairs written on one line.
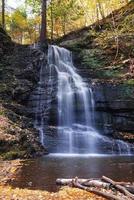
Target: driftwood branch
[[119, 187], [76, 183], [85, 182], [92, 182], [94, 185]]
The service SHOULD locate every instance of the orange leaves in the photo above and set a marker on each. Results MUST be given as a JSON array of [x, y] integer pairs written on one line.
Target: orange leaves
[[7, 193], [8, 170]]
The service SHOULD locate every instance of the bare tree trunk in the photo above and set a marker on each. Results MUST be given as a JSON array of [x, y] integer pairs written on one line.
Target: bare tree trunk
[[119, 187], [126, 1], [97, 13], [64, 25], [3, 14], [52, 22], [43, 32], [100, 9], [21, 37], [76, 183]]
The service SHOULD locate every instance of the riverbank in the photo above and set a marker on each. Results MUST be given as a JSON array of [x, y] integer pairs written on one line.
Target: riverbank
[[67, 193], [19, 182], [8, 172]]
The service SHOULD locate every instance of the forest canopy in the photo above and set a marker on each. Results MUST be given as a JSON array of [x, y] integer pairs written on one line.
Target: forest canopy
[[23, 24]]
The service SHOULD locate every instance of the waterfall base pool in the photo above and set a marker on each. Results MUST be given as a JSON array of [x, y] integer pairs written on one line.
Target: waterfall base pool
[[63, 107], [42, 173]]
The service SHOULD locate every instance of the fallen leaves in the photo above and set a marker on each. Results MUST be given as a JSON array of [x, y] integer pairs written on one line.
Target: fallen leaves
[[8, 193], [8, 170]]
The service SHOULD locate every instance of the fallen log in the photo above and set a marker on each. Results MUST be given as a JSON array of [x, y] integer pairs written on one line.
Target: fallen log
[[130, 188], [85, 182], [76, 183], [119, 187], [95, 183]]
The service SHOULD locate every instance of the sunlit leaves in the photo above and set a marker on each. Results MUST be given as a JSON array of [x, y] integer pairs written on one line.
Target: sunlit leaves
[[63, 16]]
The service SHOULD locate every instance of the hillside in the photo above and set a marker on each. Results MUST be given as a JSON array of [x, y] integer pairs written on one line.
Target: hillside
[[106, 47], [104, 55], [18, 76]]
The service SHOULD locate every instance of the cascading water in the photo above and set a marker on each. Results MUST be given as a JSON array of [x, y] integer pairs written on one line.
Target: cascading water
[[76, 131]]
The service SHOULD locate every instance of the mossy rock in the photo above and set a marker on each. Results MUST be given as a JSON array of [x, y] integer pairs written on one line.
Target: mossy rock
[[11, 155], [92, 58], [130, 82]]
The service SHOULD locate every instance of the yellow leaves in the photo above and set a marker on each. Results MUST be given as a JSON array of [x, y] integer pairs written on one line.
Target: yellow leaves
[[68, 15], [9, 169], [8, 193], [37, 20], [19, 19], [66, 193]]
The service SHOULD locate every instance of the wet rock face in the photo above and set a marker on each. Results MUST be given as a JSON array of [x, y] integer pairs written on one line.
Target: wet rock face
[[27, 73], [114, 111], [43, 99], [19, 75], [114, 107]]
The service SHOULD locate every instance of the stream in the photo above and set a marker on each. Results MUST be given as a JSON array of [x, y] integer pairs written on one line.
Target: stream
[[42, 173]]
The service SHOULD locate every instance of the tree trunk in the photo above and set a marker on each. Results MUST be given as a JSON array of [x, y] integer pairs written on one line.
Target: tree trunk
[[76, 183], [64, 25], [52, 22], [126, 1], [43, 32], [85, 182], [3, 14], [119, 187], [100, 9], [97, 13]]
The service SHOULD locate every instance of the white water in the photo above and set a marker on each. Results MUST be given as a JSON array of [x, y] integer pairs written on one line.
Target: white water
[[75, 111]]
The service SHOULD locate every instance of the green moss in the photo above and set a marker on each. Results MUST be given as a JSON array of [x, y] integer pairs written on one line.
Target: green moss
[[127, 90], [75, 46], [3, 87], [92, 58], [111, 73], [130, 82], [11, 155], [2, 112]]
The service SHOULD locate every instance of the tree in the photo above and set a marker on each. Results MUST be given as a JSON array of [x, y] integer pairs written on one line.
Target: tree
[[3, 14], [17, 25], [99, 5], [63, 16], [52, 20], [43, 32], [36, 6]]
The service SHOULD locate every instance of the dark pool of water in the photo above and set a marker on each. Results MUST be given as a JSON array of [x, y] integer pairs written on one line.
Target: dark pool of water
[[42, 173]]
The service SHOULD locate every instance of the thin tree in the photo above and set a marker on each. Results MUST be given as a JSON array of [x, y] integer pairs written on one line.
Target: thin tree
[[43, 32], [126, 1], [100, 9], [52, 20], [3, 14]]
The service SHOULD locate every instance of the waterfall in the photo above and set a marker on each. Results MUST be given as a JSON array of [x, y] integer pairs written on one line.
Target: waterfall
[[71, 89], [75, 130]]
